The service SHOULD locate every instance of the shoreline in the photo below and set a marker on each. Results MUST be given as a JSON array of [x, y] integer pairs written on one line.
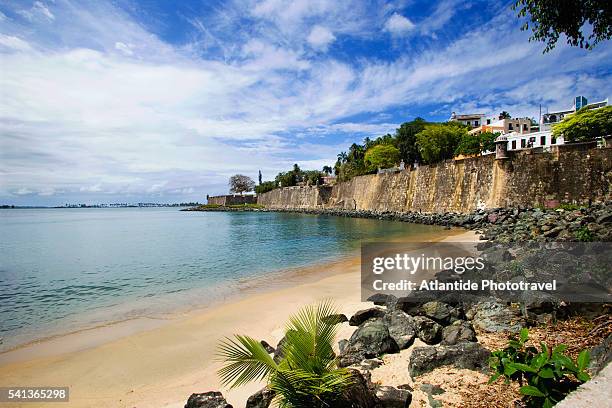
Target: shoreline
[[163, 363]]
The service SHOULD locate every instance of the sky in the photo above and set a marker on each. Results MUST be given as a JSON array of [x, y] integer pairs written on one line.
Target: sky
[[159, 101]]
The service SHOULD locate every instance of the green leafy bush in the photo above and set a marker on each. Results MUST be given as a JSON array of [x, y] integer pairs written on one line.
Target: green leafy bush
[[265, 187], [584, 235], [382, 156], [546, 376], [585, 125], [439, 141]]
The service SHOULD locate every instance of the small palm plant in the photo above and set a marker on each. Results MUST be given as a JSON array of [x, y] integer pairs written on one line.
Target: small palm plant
[[306, 376]]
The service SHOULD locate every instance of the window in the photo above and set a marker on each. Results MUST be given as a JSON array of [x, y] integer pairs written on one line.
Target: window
[[523, 143], [488, 121], [553, 140], [475, 123], [525, 127], [514, 145], [542, 140], [510, 126]]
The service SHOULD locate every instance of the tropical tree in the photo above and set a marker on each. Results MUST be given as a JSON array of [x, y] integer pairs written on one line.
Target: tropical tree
[[328, 170], [476, 144], [265, 186], [381, 156], [573, 18], [585, 125], [504, 115], [438, 142], [306, 376], [240, 183], [405, 137]]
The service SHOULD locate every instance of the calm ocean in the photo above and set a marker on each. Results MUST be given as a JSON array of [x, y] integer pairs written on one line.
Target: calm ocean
[[65, 269]]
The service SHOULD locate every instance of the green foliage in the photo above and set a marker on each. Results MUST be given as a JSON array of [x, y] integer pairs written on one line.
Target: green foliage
[[585, 125], [438, 142], [405, 140], [569, 207], [381, 156], [265, 187], [546, 376], [504, 115], [476, 144], [312, 177], [307, 375], [550, 19], [584, 235]]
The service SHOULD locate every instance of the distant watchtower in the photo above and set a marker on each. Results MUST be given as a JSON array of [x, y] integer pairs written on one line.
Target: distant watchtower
[[501, 147]]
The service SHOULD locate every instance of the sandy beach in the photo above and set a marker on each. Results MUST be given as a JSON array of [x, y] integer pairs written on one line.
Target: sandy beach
[[160, 363]]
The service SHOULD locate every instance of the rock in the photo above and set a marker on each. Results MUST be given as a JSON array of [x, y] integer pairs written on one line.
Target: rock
[[335, 319], [342, 344], [604, 218], [459, 331], [463, 355], [440, 312], [493, 316], [261, 399], [391, 397], [370, 340], [363, 315], [401, 328], [360, 394], [427, 330], [211, 399], [382, 299], [601, 355], [267, 346]]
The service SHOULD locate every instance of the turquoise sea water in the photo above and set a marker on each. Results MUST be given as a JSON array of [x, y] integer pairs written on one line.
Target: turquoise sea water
[[64, 269]]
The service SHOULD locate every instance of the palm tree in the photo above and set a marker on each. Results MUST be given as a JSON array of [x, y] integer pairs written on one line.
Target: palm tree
[[327, 170], [306, 376]]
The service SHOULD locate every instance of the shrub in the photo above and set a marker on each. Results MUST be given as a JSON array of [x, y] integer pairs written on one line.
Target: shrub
[[546, 376], [584, 235], [438, 142], [585, 125], [265, 187], [381, 156]]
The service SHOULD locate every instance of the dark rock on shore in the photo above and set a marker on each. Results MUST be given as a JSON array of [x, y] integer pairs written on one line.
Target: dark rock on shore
[[458, 332], [601, 355], [463, 355], [391, 397], [267, 346], [370, 340], [211, 399], [363, 315], [495, 316], [401, 328], [427, 330], [360, 394], [261, 399], [335, 319], [440, 312]]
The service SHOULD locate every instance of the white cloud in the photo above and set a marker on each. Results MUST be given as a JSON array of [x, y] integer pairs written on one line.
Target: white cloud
[[398, 25], [14, 43], [124, 48], [2, 16], [38, 10], [164, 120], [320, 37]]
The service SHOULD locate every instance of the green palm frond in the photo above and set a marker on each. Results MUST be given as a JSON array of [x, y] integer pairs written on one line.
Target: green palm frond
[[247, 361], [307, 376]]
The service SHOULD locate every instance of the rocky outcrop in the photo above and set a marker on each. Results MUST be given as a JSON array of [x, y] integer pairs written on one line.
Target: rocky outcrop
[[363, 315], [427, 330], [371, 339], [261, 399], [211, 399], [494, 316], [458, 332], [401, 328], [463, 355], [391, 397]]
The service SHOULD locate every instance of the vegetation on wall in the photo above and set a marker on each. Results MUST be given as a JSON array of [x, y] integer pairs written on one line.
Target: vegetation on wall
[[439, 141], [585, 125], [381, 156]]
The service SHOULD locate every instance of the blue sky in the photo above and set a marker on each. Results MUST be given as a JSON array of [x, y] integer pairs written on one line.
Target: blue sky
[[128, 101]]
